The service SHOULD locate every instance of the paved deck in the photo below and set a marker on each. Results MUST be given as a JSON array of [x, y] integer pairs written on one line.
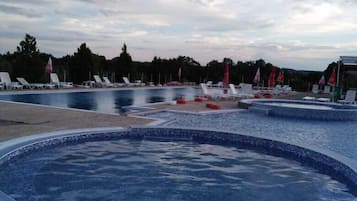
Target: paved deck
[[18, 120]]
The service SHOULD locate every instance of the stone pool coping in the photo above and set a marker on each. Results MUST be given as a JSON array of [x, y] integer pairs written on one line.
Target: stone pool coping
[[332, 164]]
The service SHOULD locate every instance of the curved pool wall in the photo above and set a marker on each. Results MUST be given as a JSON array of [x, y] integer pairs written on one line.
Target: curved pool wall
[[338, 112], [326, 164]]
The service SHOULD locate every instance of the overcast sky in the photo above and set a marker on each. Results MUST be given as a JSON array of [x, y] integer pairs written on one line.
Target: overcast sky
[[299, 34]]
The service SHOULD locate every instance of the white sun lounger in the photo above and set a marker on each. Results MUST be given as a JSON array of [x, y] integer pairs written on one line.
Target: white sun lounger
[[107, 82], [213, 93], [57, 83], [130, 84], [28, 85], [5, 78], [98, 81], [246, 90]]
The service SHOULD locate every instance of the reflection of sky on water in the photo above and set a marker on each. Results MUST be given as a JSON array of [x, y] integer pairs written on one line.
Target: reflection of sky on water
[[105, 101]]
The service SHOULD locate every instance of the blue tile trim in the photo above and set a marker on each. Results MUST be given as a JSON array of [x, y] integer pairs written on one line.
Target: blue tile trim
[[324, 163]]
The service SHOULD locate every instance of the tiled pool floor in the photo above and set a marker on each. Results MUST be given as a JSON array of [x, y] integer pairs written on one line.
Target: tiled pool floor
[[332, 136]]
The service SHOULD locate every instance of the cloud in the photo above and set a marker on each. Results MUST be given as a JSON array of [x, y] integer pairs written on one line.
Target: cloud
[[294, 33], [14, 10]]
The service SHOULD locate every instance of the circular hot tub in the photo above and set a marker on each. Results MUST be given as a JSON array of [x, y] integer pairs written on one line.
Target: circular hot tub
[[169, 164], [303, 109]]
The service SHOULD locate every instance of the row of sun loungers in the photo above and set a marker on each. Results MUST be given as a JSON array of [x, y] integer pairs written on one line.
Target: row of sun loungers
[[243, 90], [22, 83], [105, 82]]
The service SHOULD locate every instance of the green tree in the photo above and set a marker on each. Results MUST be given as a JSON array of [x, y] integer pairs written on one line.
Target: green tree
[[5, 64], [28, 62], [124, 65], [81, 64]]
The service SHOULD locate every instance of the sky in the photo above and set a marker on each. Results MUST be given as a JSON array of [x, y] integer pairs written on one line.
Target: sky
[[297, 34]]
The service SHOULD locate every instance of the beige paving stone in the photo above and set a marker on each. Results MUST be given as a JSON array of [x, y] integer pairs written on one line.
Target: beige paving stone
[[20, 120]]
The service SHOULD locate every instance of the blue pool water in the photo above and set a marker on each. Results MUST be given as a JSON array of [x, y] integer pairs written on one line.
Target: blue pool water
[[336, 136], [110, 101], [152, 170]]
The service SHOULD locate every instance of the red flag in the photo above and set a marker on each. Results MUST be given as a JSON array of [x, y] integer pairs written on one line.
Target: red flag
[[226, 75], [281, 77], [271, 81], [49, 66], [322, 80], [257, 76], [332, 79]]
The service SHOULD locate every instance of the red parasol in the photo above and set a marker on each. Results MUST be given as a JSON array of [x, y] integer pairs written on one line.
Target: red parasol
[[257, 77], [281, 77], [332, 79], [322, 80], [271, 81], [226, 75], [49, 66]]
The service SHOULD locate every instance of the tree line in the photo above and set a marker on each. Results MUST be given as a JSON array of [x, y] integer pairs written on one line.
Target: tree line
[[28, 62]]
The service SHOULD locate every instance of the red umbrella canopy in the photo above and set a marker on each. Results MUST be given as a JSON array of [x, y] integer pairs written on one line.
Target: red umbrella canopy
[[257, 76], [226, 75], [271, 81], [49, 66], [322, 80], [281, 77], [332, 79]]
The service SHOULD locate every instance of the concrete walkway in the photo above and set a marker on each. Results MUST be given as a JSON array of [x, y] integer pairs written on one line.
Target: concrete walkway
[[18, 120]]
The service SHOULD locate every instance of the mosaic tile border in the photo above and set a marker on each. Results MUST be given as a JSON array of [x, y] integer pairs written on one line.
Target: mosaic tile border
[[324, 163]]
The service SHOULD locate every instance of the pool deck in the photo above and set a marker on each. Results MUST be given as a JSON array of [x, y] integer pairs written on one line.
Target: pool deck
[[18, 119]]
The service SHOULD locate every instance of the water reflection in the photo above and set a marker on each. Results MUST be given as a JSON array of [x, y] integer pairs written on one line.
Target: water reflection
[[105, 101], [156, 95], [82, 100], [122, 98]]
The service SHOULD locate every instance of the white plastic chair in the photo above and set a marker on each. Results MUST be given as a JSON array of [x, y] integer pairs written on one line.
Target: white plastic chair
[[315, 88], [327, 89], [350, 97]]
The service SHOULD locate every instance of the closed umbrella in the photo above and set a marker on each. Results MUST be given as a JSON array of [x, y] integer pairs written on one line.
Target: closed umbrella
[[332, 79], [226, 76], [281, 77], [257, 77], [49, 66], [271, 81], [322, 80]]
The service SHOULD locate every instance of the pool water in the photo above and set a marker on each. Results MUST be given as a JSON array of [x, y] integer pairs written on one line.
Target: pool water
[[336, 136], [108, 101], [152, 170]]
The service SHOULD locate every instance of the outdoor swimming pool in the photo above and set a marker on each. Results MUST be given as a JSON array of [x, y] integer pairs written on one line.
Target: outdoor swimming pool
[[334, 136], [106, 101], [163, 164]]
